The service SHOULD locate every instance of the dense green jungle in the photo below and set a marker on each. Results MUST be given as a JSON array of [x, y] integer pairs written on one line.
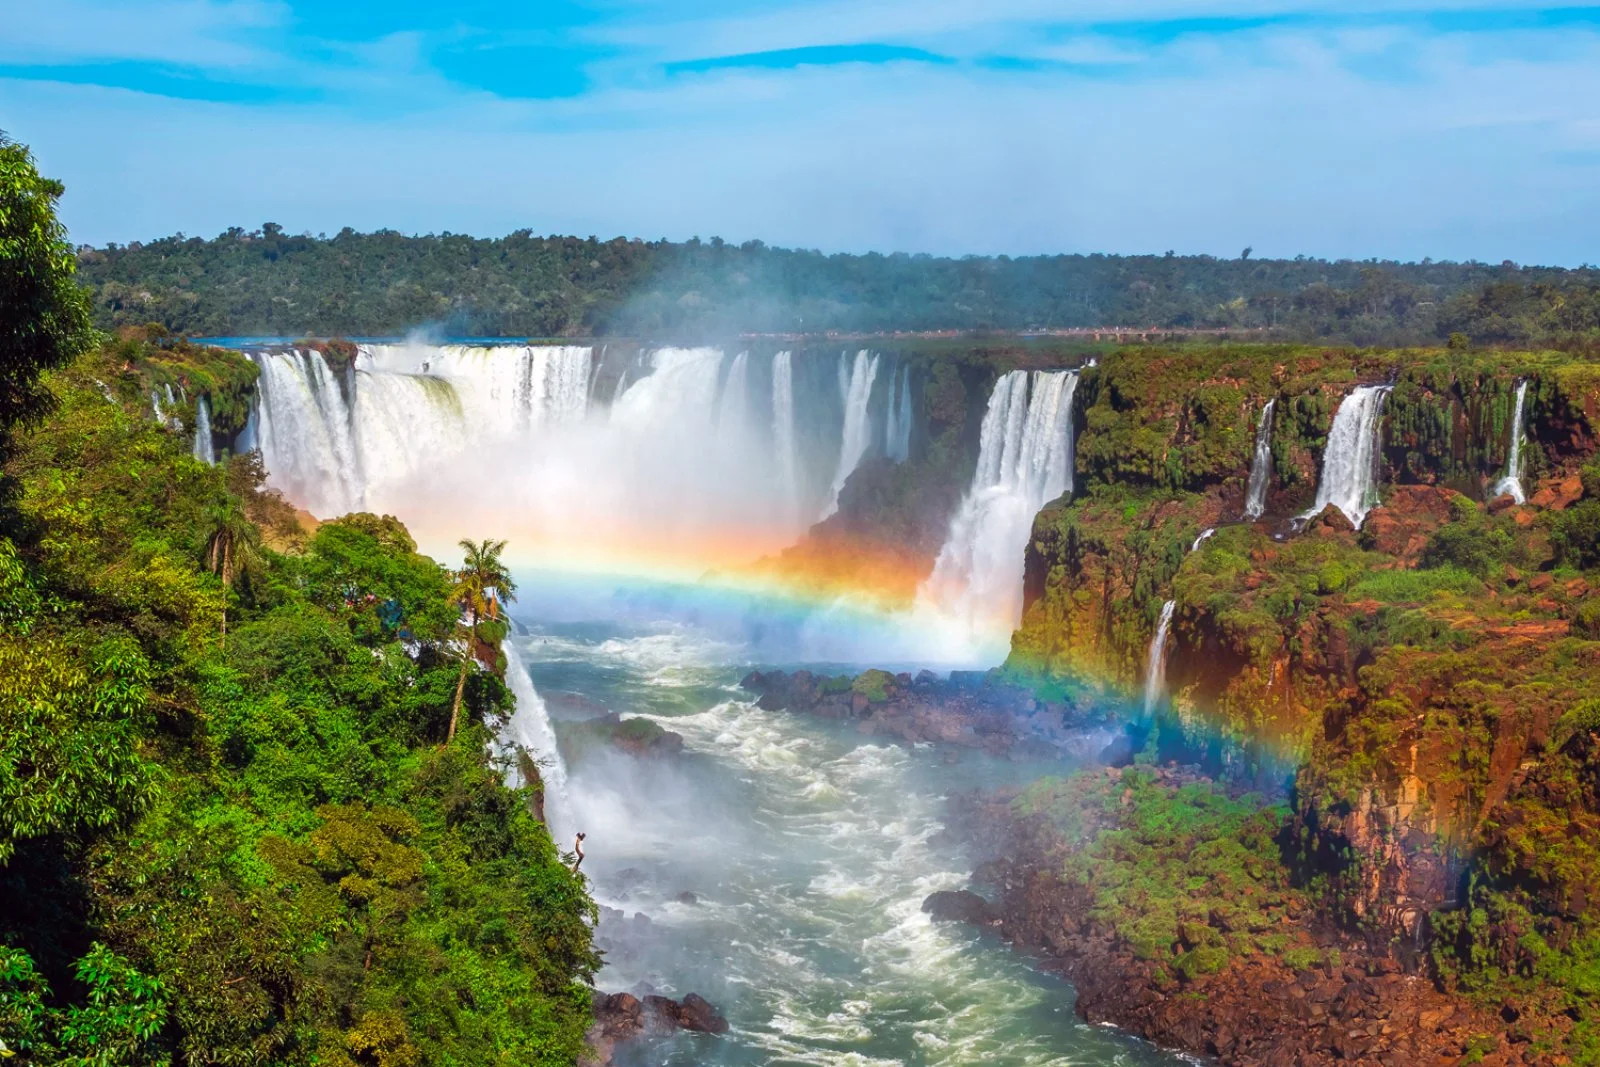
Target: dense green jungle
[[268, 282]]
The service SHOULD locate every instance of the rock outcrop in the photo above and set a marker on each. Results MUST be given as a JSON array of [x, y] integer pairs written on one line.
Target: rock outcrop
[[970, 709], [620, 1017]]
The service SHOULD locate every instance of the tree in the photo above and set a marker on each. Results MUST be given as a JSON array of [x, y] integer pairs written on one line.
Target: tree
[[44, 316], [230, 549], [481, 585]]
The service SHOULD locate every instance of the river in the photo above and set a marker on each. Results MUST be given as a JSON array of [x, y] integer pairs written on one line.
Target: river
[[808, 850]]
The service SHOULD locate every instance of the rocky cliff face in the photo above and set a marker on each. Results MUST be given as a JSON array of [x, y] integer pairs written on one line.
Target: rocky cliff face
[[1413, 675]]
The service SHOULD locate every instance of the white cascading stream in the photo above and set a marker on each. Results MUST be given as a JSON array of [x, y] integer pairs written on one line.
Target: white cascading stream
[[1512, 482], [1255, 497], [1349, 463], [783, 432], [897, 421], [305, 433], [204, 448], [1204, 535], [529, 730], [733, 411], [856, 389], [1155, 671], [1024, 461]]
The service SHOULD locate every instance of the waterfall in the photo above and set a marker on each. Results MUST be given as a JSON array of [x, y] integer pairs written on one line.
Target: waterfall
[[897, 421], [1024, 461], [783, 439], [1512, 482], [686, 465], [529, 731], [857, 433], [1349, 463], [1198, 541], [1255, 498], [733, 411], [204, 448], [305, 433], [1155, 671]]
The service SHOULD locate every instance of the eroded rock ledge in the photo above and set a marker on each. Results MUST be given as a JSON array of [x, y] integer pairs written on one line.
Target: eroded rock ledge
[[971, 709], [1258, 985]]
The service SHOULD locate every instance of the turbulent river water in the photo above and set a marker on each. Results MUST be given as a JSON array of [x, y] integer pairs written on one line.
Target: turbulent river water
[[808, 850]]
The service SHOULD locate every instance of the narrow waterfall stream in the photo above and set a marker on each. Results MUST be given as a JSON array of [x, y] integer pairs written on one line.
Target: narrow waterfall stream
[[204, 449], [1255, 498], [1155, 671], [1512, 482]]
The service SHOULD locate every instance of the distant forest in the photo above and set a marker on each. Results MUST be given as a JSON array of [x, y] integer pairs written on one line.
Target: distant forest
[[268, 282]]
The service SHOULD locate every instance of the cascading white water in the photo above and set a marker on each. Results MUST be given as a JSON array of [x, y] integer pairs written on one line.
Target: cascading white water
[[1155, 671], [305, 434], [681, 467], [856, 389], [204, 448], [529, 731], [1349, 463], [1255, 498], [897, 421], [1024, 461], [733, 412], [783, 439], [1512, 482], [1204, 534]]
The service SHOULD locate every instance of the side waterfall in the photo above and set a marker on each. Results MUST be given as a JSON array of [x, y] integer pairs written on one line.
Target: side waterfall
[[1024, 461], [529, 731], [857, 434], [1255, 497], [897, 424], [1349, 464], [204, 448], [1512, 482], [1155, 671], [1198, 541]]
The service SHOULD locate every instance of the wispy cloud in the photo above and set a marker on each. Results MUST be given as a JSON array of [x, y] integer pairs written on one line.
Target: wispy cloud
[[1014, 125]]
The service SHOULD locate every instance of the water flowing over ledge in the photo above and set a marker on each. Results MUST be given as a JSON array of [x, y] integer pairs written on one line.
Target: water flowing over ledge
[[1350, 461]]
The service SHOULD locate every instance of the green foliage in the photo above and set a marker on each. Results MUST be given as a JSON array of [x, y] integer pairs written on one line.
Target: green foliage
[[118, 1024], [871, 684], [267, 833], [44, 316], [1403, 586], [269, 282], [1184, 874], [1471, 541]]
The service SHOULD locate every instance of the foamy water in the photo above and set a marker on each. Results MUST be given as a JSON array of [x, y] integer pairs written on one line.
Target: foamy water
[[809, 850]]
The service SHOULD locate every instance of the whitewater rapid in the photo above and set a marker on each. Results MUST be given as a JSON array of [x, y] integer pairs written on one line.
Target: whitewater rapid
[[808, 851]]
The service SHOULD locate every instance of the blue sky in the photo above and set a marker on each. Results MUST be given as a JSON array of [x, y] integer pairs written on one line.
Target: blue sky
[[1363, 128]]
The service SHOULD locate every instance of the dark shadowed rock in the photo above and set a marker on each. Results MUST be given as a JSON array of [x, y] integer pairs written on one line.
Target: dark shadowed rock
[[958, 906], [622, 1017]]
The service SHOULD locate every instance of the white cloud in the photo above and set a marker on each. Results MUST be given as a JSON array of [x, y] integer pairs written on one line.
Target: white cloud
[[191, 33]]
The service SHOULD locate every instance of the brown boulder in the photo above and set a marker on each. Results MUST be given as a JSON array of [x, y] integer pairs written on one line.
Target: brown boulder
[[1558, 493]]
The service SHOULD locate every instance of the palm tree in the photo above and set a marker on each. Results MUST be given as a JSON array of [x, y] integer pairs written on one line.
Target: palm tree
[[230, 550], [482, 584]]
